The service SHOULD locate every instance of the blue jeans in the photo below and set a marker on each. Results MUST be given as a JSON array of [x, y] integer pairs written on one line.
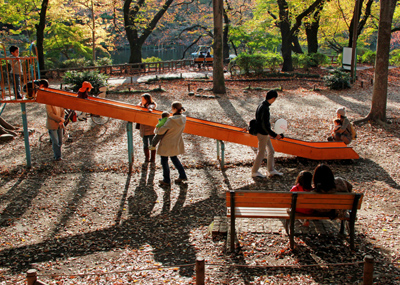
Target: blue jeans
[[56, 142], [165, 167], [147, 141]]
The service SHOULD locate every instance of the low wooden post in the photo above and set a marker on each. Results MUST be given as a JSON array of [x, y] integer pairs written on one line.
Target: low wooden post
[[31, 276], [200, 272], [368, 270]]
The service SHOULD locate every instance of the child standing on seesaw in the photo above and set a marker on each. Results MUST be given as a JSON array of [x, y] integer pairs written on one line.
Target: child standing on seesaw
[[157, 137], [303, 184]]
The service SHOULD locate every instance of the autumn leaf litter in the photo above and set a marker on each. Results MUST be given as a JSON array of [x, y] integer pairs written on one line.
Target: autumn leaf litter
[[86, 220]]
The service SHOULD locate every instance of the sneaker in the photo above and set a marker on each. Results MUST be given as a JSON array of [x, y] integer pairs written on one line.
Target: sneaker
[[180, 180], [275, 172], [163, 183], [257, 174], [152, 147]]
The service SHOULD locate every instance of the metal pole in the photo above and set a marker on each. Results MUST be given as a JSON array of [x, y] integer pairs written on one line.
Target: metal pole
[[233, 233], [222, 154], [26, 135], [200, 272], [368, 270], [354, 45], [129, 130]]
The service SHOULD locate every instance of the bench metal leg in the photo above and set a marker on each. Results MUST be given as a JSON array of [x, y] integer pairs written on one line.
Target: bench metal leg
[[342, 227]]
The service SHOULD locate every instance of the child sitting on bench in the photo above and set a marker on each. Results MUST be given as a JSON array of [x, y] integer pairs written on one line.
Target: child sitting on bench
[[303, 184], [157, 138]]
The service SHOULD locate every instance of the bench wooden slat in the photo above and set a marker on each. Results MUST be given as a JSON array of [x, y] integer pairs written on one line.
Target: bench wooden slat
[[249, 212]]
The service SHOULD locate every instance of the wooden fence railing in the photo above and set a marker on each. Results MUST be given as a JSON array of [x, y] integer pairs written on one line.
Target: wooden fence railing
[[125, 69]]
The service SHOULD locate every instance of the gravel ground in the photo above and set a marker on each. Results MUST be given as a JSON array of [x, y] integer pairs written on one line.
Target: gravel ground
[[87, 220]]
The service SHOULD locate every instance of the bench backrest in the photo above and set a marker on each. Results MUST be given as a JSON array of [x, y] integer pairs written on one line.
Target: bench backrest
[[307, 200]]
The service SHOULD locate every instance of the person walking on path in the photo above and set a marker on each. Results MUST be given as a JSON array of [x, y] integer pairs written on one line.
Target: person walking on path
[[55, 125], [264, 133], [172, 144], [147, 132]]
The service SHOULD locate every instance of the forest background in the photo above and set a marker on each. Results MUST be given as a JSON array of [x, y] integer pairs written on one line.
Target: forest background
[[97, 29]]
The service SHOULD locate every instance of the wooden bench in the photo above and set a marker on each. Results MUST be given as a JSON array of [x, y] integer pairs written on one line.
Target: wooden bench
[[282, 205]]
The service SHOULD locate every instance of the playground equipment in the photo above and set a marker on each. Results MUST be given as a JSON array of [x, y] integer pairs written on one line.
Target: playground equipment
[[131, 113], [221, 132], [30, 68]]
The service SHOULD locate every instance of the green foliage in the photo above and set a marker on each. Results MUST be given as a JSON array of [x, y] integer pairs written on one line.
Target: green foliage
[[273, 60], [75, 62], [258, 62], [151, 59], [299, 60], [395, 57], [318, 59], [76, 79], [103, 61], [252, 40], [368, 57], [338, 80], [309, 60]]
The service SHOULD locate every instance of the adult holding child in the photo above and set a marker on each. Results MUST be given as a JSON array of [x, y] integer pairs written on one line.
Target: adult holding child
[[172, 144], [147, 132], [341, 132]]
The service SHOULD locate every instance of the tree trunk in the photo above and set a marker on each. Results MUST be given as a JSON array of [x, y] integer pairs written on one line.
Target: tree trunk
[[312, 30], [40, 33], [218, 61], [362, 22], [312, 38], [225, 37], [379, 95], [132, 26], [284, 26], [296, 47]]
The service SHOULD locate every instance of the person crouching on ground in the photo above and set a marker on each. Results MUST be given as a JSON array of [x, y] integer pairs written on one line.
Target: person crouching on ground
[[264, 133], [172, 144], [342, 134]]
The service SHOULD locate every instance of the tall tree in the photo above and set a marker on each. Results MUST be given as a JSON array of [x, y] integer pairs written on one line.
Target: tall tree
[[360, 23], [137, 27], [40, 33], [312, 27], [379, 95], [289, 29], [218, 62]]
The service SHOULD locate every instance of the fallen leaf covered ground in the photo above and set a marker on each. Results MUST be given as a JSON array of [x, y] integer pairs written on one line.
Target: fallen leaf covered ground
[[87, 220]]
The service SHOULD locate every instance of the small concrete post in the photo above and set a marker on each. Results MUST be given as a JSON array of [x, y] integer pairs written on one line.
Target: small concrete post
[[368, 270], [200, 272]]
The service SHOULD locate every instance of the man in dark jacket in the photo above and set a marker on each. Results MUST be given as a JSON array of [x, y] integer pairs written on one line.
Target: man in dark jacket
[[263, 134]]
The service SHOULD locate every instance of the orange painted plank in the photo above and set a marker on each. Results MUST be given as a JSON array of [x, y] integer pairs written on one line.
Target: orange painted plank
[[218, 131]]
